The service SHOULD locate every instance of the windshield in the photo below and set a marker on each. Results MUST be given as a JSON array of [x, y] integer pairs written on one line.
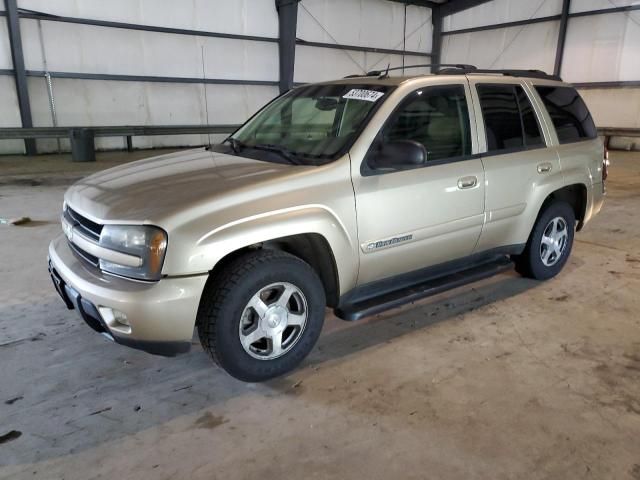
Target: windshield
[[309, 125]]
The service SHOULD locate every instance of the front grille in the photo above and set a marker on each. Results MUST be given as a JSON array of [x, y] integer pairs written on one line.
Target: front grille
[[86, 256], [87, 227]]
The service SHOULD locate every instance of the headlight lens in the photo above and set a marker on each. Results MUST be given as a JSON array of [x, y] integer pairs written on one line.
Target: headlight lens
[[144, 241]]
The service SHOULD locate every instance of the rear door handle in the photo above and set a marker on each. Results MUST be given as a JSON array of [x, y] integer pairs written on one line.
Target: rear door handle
[[467, 182], [544, 167]]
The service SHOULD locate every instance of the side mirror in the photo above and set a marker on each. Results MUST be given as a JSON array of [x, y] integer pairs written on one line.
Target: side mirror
[[398, 155]]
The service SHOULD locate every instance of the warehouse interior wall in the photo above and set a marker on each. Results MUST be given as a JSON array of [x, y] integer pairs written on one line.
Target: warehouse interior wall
[[89, 49], [598, 48], [242, 75], [368, 23]]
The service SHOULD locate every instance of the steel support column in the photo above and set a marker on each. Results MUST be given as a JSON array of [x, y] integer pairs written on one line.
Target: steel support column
[[287, 24], [19, 72], [436, 43], [562, 35]]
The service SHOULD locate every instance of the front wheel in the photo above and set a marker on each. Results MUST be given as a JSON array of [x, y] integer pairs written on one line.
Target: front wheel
[[261, 315], [549, 244]]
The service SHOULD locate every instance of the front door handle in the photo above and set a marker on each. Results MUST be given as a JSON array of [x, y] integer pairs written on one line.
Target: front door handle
[[467, 182], [544, 167]]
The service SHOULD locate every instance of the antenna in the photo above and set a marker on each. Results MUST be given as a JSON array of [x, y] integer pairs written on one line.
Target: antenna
[[206, 101]]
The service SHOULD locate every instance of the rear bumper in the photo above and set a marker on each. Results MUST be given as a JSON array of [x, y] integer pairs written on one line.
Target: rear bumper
[[595, 199], [160, 316]]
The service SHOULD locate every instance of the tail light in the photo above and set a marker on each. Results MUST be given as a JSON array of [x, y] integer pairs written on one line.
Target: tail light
[[605, 164]]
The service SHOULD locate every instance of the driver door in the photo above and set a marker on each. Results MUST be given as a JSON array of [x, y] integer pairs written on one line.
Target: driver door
[[409, 219]]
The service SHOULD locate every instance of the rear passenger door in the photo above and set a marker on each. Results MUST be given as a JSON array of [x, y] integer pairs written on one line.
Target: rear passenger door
[[516, 158]]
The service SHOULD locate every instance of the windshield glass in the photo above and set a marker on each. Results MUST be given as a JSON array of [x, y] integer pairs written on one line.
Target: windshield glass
[[309, 125]]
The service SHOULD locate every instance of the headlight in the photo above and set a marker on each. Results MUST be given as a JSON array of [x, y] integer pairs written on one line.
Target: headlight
[[144, 241]]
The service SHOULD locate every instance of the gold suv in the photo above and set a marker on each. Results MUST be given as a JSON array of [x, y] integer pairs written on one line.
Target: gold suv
[[358, 194]]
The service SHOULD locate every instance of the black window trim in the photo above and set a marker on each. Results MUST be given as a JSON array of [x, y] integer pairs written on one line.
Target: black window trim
[[524, 148], [555, 130], [368, 171]]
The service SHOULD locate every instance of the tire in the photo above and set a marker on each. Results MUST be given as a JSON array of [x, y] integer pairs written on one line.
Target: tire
[[246, 300], [532, 263]]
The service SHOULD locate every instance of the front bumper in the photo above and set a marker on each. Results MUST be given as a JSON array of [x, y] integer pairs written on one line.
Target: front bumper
[[160, 315]]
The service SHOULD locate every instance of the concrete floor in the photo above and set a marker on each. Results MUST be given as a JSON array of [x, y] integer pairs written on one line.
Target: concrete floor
[[508, 378]]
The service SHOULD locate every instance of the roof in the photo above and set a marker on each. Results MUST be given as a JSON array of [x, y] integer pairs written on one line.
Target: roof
[[381, 77]]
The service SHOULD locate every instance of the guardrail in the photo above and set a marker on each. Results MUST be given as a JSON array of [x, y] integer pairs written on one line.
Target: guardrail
[[83, 144], [82, 138], [608, 132]]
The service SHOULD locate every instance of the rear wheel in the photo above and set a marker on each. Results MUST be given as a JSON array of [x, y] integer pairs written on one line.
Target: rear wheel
[[549, 244], [261, 315]]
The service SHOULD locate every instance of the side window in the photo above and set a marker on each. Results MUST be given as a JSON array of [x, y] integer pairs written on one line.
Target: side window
[[438, 118], [509, 120], [568, 112]]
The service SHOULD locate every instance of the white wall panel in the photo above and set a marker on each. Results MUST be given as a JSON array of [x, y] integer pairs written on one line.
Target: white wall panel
[[98, 102], [614, 107], [531, 46], [9, 114], [370, 23], [501, 11], [250, 17], [90, 49], [315, 64], [419, 29], [5, 51], [602, 48], [586, 5]]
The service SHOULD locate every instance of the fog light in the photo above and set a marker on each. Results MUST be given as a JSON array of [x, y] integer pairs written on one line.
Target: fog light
[[115, 319]]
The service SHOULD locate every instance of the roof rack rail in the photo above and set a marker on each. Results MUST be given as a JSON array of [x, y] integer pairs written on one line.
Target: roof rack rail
[[385, 72], [461, 69], [533, 73]]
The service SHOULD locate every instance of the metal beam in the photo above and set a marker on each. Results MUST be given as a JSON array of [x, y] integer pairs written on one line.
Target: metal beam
[[19, 72], [628, 8], [419, 3], [287, 25], [455, 6], [149, 78], [562, 35], [142, 78], [116, 130], [436, 42], [357, 48], [612, 84], [550, 18], [495, 26], [31, 14]]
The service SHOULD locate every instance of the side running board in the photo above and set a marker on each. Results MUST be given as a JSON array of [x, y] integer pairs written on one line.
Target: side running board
[[427, 288]]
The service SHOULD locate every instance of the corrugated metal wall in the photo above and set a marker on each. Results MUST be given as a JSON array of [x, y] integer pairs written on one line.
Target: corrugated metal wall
[[598, 48], [366, 23], [93, 49], [89, 49]]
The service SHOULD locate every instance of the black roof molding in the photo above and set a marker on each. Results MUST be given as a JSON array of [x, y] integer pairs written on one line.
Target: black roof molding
[[461, 69]]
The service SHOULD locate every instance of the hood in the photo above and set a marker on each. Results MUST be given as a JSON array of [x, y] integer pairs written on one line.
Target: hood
[[148, 190]]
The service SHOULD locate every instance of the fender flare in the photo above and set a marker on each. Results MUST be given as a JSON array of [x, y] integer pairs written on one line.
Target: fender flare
[[222, 240]]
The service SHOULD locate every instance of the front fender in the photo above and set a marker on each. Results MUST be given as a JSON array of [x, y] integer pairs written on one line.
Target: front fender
[[202, 254]]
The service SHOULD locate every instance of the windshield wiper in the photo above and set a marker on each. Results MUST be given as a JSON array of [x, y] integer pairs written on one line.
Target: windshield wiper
[[283, 152], [236, 145]]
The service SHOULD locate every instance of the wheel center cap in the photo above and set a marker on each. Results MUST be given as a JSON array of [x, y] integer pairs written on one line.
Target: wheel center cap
[[275, 317]]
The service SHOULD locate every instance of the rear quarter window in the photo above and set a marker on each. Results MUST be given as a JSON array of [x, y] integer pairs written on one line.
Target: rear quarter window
[[568, 112]]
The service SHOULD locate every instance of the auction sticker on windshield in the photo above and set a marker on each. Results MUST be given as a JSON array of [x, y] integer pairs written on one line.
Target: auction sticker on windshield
[[366, 95]]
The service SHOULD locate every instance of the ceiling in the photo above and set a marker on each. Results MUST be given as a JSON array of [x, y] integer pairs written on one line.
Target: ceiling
[[446, 7]]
